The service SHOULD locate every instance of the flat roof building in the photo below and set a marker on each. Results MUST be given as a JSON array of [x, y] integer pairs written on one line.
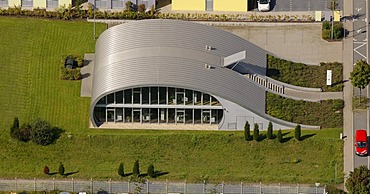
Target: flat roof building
[[177, 74]]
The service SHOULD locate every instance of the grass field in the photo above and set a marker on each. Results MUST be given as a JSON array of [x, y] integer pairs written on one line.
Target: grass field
[[30, 87]]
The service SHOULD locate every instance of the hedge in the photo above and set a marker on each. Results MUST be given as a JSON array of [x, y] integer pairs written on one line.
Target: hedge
[[327, 113], [71, 74]]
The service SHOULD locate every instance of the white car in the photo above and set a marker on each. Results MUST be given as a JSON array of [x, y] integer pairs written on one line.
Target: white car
[[263, 5]]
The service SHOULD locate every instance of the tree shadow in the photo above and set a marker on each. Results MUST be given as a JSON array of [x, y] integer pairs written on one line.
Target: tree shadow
[[285, 139], [273, 72], [340, 82], [159, 173], [127, 174], [70, 173], [307, 136], [261, 137], [52, 173], [143, 175], [56, 133], [85, 75]]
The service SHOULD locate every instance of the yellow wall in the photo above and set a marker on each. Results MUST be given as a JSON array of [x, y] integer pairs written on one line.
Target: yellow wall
[[191, 5], [39, 3], [13, 3], [227, 5], [65, 2]]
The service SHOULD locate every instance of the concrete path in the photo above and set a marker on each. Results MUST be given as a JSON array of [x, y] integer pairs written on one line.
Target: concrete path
[[348, 150], [312, 96], [87, 74]]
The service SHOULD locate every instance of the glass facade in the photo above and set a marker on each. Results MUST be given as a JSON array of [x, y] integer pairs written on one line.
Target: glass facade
[[156, 105]]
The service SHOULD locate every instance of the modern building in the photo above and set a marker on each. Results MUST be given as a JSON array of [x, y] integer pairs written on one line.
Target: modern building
[[50, 4], [177, 74], [211, 5], [120, 4]]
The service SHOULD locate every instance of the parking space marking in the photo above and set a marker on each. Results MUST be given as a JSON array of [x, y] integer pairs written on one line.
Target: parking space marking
[[361, 45], [290, 5], [309, 5]]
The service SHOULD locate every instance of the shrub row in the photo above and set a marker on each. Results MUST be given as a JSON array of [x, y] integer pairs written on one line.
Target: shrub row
[[136, 170], [299, 74], [326, 113], [68, 13], [269, 134]]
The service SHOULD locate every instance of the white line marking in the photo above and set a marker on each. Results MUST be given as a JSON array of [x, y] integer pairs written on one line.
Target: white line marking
[[355, 49]]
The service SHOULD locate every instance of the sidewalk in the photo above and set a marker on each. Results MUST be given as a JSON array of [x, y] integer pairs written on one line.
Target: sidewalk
[[347, 94]]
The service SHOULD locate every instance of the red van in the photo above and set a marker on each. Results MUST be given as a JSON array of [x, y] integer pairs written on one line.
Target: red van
[[361, 142]]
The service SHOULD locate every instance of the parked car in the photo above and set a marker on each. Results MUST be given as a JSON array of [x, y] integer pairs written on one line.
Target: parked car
[[263, 5], [361, 142]]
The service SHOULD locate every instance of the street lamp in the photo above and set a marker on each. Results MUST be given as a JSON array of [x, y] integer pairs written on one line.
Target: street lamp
[[317, 185]]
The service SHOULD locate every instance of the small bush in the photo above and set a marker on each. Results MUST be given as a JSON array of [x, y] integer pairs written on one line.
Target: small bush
[[150, 172], [256, 132], [279, 136], [141, 8], [247, 131], [136, 169], [269, 131], [61, 169], [43, 133], [121, 170], [46, 170], [297, 132]]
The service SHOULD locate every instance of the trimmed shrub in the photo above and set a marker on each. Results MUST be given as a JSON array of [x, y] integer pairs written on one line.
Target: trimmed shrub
[[269, 131], [136, 169], [74, 73], [61, 169], [25, 132], [121, 170], [256, 132], [247, 131], [279, 136], [151, 172], [297, 132], [43, 133], [46, 170], [129, 6]]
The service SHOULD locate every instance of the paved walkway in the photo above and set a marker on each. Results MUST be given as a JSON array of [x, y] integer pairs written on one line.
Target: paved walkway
[[347, 94], [87, 73]]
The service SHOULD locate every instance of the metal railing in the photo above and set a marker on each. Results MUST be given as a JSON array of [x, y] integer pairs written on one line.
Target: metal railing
[[92, 186]]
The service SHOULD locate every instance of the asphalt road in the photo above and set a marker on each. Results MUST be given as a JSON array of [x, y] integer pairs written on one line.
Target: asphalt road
[[360, 28], [302, 5], [359, 122]]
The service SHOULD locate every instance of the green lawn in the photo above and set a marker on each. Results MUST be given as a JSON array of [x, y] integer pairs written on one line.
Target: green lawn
[[30, 87]]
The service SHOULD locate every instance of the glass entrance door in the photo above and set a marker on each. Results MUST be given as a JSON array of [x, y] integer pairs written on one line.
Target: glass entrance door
[[110, 115]]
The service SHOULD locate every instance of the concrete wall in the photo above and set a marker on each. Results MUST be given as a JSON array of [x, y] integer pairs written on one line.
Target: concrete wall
[[13, 3], [39, 3], [227, 5], [191, 5]]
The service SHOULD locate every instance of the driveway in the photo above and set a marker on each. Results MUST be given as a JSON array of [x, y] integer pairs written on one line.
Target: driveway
[[291, 41], [302, 5]]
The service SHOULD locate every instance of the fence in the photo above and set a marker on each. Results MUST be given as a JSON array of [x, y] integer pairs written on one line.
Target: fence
[[92, 186]]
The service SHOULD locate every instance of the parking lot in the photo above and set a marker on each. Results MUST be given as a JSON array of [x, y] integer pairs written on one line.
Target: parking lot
[[302, 5]]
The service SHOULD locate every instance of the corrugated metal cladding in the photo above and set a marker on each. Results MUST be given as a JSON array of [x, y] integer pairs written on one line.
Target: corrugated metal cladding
[[172, 53]]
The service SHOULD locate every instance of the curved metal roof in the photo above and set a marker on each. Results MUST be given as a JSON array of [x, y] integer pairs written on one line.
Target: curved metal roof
[[172, 53]]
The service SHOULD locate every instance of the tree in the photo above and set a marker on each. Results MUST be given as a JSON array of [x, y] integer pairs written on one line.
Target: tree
[[151, 172], [141, 8], [61, 169], [121, 170], [359, 180], [46, 170], [297, 132], [247, 131], [129, 6], [269, 131], [136, 170], [14, 129], [256, 132], [360, 76], [279, 136], [42, 132]]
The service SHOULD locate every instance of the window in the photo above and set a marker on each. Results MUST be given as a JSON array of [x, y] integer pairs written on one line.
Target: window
[[52, 3], [101, 3], [27, 3], [197, 116], [110, 99], [119, 97], [117, 4], [154, 115], [137, 94], [146, 117], [4, 3], [180, 116], [188, 97], [180, 96], [206, 117], [163, 115], [189, 116], [206, 99], [99, 114], [162, 95], [153, 95], [209, 5], [145, 95], [102, 100], [171, 96], [128, 115], [197, 98], [128, 96], [171, 115], [119, 115]]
